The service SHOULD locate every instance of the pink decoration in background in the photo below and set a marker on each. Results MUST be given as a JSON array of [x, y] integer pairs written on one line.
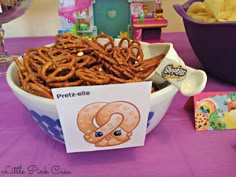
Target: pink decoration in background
[[68, 11], [138, 34]]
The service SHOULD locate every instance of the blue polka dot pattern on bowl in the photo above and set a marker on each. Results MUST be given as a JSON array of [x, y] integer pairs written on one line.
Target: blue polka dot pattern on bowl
[[150, 116], [51, 126]]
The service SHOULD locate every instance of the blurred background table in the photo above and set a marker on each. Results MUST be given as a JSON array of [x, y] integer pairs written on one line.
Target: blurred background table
[[172, 149]]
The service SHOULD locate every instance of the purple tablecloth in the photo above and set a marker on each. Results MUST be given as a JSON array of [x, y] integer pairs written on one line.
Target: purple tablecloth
[[172, 149]]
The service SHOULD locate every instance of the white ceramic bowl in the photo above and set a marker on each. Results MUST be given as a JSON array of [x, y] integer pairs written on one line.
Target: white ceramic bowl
[[44, 111]]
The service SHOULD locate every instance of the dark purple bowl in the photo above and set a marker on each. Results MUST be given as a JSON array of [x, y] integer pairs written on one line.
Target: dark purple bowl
[[213, 43]]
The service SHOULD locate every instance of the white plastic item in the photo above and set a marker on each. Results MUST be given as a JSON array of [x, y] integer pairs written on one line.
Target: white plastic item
[[188, 80]]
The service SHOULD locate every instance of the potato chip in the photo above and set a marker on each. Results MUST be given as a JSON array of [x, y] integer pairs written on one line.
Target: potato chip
[[213, 10], [199, 12], [224, 16], [229, 10], [214, 6], [229, 5], [197, 7]]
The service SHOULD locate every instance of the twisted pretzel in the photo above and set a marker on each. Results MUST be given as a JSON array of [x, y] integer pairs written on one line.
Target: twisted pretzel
[[61, 73], [96, 77], [124, 42], [31, 84], [104, 41], [84, 61], [74, 61]]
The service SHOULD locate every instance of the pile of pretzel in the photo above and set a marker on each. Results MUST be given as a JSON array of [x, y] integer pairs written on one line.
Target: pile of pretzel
[[75, 61]]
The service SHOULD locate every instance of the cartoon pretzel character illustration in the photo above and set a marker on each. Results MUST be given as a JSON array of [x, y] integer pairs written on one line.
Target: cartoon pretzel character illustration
[[108, 124]]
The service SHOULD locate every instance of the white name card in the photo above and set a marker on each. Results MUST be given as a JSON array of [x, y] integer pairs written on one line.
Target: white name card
[[103, 117]]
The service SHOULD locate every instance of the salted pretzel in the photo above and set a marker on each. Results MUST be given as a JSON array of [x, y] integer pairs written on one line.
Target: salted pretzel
[[84, 61], [105, 41], [124, 42], [66, 83], [95, 46], [136, 53], [61, 73], [125, 71], [75, 61], [33, 85], [95, 77]]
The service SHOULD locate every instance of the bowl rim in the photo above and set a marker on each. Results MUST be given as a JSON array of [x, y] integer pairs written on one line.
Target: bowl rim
[[16, 89]]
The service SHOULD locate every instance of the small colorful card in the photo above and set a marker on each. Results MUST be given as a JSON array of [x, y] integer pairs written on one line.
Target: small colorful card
[[215, 110], [103, 117]]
